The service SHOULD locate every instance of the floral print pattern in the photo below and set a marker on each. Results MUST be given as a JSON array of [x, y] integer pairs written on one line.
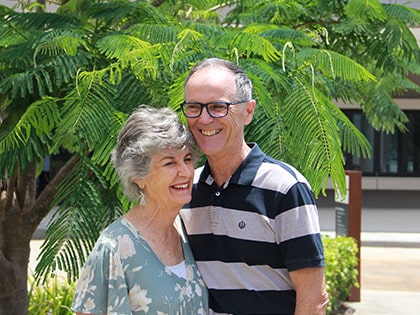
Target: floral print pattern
[[123, 276]]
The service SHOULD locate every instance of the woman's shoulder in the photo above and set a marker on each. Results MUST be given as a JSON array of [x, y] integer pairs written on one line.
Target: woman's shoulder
[[114, 227], [120, 225], [120, 240], [116, 231]]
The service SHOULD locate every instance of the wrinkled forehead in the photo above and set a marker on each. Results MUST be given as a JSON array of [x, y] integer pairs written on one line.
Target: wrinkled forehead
[[212, 83], [212, 72]]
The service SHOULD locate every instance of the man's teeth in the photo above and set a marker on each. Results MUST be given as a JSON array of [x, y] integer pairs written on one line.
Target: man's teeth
[[210, 132], [181, 186]]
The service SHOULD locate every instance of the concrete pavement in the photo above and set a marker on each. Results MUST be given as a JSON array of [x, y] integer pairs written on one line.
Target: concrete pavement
[[390, 281], [390, 261]]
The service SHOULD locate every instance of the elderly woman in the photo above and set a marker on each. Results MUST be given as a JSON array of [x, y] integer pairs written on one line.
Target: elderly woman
[[142, 263]]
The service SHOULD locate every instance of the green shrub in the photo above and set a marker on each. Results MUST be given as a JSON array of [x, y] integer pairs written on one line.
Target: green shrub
[[51, 298], [340, 270]]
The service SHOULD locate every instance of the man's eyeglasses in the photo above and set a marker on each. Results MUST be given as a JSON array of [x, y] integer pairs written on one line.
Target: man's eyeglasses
[[214, 109]]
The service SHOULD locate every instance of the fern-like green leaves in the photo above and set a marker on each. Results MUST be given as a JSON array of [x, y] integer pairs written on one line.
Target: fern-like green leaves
[[57, 42], [333, 65], [78, 218]]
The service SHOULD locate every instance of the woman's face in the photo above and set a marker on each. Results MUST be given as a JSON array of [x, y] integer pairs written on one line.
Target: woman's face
[[169, 182]]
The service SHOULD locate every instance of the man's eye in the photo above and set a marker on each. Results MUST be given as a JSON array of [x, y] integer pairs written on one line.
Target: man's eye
[[217, 107], [193, 107]]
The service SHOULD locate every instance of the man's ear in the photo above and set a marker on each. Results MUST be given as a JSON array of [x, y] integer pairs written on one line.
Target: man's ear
[[250, 111]]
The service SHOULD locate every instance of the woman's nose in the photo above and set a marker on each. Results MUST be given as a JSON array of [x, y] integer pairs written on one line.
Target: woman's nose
[[186, 169]]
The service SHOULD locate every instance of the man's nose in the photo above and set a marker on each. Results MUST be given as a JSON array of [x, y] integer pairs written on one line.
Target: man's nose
[[205, 116]]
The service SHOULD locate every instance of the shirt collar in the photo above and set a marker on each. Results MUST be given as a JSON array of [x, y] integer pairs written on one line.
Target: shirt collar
[[244, 174]]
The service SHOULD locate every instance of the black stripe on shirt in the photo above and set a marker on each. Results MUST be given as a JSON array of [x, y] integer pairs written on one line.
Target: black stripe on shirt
[[242, 302], [292, 254]]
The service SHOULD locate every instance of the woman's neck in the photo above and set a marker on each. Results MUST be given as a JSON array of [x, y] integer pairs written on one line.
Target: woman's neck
[[158, 228], [151, 217]]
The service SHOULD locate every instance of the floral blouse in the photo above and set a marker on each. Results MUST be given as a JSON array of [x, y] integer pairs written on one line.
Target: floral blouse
[[123, 276]]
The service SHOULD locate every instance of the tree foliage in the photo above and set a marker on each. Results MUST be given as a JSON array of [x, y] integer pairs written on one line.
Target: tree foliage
[[69, 79]]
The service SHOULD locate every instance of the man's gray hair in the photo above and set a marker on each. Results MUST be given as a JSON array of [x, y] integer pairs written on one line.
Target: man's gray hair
[[243, 82]]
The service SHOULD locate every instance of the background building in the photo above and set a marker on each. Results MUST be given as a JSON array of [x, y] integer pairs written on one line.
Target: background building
[[391, 177]]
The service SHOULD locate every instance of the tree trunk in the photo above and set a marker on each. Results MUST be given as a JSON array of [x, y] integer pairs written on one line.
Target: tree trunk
[[15, 236], [20, 214], [14, 277]]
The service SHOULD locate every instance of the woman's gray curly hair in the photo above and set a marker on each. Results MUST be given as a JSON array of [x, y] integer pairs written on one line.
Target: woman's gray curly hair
[[146, 132]]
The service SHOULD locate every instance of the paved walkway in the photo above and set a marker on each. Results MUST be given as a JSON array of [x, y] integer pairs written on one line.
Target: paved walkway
[[390, 281], [390, 260]]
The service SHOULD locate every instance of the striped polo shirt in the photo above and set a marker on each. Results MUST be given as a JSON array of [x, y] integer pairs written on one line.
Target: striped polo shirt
[[248, 234]]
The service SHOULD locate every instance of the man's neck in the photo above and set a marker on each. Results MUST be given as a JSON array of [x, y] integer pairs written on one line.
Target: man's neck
[[222, 168]]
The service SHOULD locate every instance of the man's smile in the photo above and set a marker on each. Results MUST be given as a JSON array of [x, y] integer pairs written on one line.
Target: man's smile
[[210, 133]]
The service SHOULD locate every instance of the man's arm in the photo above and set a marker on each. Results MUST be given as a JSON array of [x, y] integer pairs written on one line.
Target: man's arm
[[311, 293]]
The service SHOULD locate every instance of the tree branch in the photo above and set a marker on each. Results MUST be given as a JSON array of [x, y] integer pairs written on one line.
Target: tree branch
[[157, 3], [44, 200]]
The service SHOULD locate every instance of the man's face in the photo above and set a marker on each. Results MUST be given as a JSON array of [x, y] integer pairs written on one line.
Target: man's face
[[217, 137]]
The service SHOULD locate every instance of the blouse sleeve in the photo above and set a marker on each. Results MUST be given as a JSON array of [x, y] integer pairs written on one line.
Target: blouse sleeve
[[102, 288]]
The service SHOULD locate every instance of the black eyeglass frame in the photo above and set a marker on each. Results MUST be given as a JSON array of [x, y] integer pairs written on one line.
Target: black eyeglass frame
[[206, 106]]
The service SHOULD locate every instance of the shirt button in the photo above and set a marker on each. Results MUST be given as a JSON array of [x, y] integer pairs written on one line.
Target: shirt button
[[217, 194], [213, 209]]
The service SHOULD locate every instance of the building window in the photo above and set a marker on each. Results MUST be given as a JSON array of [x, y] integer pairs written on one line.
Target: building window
[[392, 155]]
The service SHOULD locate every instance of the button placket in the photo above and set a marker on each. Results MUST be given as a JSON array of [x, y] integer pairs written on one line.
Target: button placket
[[214, 213]]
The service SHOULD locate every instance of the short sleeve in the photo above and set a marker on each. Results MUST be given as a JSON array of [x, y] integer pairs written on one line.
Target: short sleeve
[[102, 287]]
